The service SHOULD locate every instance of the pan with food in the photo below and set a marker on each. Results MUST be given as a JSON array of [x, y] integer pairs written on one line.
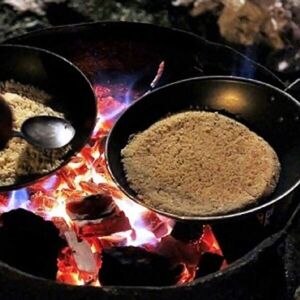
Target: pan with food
[[208, 148], [36, 82]]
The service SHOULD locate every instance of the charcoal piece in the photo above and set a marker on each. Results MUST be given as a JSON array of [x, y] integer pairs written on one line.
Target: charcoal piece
[[209, 263], [134, 266], [29, 243], [91, 208], [187, 231]]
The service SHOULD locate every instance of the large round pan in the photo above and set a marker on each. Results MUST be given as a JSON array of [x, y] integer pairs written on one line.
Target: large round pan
[[268, 111], [71, 91]]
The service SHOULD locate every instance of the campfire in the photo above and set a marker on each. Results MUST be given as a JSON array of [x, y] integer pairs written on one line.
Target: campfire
[[103, 237]]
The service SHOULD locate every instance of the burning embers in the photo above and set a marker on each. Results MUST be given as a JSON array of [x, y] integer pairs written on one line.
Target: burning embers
[[92, 207], [103, 238]]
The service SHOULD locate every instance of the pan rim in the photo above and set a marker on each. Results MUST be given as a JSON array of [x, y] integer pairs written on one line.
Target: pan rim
[[212, 218]]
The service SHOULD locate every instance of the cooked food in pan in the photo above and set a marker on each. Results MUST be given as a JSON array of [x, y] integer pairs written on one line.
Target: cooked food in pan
[[19, 158], [200, 163]]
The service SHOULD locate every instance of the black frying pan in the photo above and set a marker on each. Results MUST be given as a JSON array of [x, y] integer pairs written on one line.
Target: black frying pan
[[72, 93], [268, 111]]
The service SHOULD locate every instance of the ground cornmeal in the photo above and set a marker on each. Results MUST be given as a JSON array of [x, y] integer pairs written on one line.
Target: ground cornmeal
[[200, 164]]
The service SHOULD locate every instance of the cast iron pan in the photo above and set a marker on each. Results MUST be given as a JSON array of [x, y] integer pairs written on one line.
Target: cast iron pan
[[268, 111], [73, 94]]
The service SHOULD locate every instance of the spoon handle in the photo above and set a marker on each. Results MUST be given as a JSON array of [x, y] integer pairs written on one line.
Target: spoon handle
[[17, 134]]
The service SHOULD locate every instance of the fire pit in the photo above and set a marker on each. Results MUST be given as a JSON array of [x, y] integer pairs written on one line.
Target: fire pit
[[103, 238]]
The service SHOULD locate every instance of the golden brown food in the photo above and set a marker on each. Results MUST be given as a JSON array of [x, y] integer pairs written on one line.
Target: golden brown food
[[20, 159], [200, 164]]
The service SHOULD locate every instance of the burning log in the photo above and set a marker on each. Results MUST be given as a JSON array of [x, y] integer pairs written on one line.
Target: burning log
[[107, 242], [103, 227], [82, 253], [209, 263], [97, 215], [91, 208], [134, 266], [150, 221], [30, 243]]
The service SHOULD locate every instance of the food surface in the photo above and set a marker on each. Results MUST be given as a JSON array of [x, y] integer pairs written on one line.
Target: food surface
[[18, 158], [200, 164]]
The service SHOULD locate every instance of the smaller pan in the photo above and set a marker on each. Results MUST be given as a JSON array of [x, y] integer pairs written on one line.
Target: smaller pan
[[266, 110], [71, 94]]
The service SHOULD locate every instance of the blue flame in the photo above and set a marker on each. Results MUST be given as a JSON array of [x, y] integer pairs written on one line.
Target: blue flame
[[18, 198], [246, 68], [129, 81], [126, 88], [124, 82], [49, 183]]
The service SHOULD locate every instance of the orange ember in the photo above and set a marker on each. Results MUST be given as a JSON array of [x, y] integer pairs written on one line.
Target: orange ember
[[128, 225]]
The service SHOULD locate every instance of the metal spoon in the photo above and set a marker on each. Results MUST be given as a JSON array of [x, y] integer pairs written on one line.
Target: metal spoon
[[46, 132], [42, 131]]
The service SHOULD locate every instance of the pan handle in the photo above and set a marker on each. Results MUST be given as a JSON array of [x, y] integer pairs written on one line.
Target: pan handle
[[154, 82], [294, 89]]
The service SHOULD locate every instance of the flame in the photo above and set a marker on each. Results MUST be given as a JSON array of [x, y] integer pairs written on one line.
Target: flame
[[59, 211], [17, 199], [139, 235], [85, 175], [209, 242], [187, 275]]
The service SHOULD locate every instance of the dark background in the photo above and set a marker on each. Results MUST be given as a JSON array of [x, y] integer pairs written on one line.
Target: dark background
[[20, 16]]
